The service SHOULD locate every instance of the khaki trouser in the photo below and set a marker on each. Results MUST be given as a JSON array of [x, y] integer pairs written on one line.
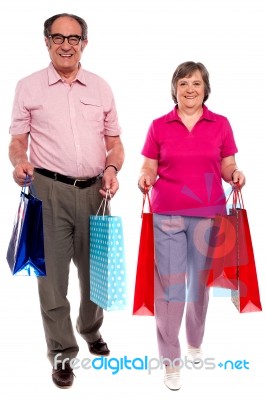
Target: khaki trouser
[[66, 211]]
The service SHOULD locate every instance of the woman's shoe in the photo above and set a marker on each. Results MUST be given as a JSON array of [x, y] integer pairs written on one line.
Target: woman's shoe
[[194, 355], [172, 380]]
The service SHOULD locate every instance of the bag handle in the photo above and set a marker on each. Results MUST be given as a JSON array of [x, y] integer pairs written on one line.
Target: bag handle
[[31, 189], [104, 202], [237, 196], [146, 195]]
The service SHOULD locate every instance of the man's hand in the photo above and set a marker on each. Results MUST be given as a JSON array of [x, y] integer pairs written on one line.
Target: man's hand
[[23, 173], [109, 182]]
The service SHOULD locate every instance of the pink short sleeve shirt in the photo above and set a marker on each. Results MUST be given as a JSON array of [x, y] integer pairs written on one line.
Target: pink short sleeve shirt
[[66, 123], [189, 163]]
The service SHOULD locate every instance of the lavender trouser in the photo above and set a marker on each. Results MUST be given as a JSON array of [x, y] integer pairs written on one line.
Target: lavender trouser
[[181, 245]]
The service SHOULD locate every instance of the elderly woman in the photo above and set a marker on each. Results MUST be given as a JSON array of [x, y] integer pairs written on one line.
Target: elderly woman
[[186, 153]]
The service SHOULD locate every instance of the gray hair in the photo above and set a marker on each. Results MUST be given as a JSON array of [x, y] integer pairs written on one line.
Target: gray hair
[[186, 69], [49, 22]]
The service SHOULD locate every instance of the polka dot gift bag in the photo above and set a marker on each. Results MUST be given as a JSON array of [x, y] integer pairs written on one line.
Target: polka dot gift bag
[[107, 261]]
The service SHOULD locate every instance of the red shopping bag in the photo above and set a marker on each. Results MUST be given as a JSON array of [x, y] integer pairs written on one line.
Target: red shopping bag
[[224, 255], [246, 297], [144, 285]]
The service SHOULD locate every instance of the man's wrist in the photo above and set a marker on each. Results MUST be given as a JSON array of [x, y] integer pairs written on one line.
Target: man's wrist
[[113, 166]]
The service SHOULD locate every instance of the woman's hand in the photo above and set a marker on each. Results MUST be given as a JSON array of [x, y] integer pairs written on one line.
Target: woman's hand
[[238, 178], [144, 183], [148, 174], [231, 173]]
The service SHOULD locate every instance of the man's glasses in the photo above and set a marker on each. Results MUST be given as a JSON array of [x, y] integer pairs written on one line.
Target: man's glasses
[[73, 40]]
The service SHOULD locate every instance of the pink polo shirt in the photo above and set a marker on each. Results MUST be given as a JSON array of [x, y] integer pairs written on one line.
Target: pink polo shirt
[[189, 164], [66, 123]]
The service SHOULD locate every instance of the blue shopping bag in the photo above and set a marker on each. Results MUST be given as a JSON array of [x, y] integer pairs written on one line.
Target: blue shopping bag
[[107, 262], [25, 254]]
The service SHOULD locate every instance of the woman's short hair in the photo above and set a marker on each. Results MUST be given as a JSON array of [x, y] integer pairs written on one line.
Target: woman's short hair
[[186, 69], [49, 22]]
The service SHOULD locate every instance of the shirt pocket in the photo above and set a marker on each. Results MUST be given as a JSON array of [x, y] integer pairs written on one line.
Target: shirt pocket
[[91, 109]]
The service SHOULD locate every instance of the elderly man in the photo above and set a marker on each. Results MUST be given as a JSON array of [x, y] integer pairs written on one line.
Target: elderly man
[[66, 117]]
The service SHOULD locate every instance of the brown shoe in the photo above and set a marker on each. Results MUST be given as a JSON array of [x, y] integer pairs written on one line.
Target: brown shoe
[[63, 376], [99, 348]]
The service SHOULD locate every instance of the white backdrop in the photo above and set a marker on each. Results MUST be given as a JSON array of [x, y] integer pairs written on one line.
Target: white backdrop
[[136, 45]]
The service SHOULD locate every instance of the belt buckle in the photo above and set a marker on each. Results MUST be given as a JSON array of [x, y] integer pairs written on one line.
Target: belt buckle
[[79, 180]]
